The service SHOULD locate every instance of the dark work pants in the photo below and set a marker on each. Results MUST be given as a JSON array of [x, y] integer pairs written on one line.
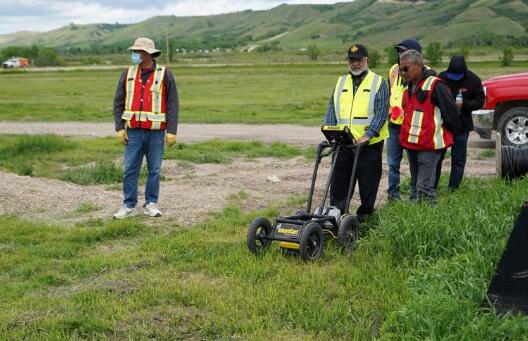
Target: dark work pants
[[368, 175], [458, 161], [422, 164]]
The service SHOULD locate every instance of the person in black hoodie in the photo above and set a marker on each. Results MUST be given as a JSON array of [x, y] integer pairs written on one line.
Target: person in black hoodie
[[466, 88]]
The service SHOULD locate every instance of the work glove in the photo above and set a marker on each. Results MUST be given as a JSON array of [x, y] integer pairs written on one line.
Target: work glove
[[122, 136], [170, 139]]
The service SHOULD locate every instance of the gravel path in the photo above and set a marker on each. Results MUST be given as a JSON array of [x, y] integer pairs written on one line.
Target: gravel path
[[190, 191], [286, 133]]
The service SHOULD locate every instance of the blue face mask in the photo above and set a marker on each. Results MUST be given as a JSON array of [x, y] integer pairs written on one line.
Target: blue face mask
[[455, 76], [135, 58]]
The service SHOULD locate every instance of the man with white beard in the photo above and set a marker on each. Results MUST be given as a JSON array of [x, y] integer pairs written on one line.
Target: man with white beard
[[360, 101]]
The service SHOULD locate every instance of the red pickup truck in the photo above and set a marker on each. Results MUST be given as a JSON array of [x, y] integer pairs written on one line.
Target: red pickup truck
[[505, 110]]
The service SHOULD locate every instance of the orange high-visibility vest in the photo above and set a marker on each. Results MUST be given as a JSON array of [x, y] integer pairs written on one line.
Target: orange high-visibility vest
[[145, 103], [422, 127]]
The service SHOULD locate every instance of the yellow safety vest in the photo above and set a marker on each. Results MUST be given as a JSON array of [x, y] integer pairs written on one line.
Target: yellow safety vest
[[396, 95], [357, 111]]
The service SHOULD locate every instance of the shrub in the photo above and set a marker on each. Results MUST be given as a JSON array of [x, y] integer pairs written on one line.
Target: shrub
[[313, 52], [374, 58], [47, 57], [464, 51], [392, 55], [433, 53], [507, 56]]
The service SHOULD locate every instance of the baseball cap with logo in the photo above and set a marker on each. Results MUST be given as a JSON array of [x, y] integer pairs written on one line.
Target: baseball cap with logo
[[357, 51], [145, 44]]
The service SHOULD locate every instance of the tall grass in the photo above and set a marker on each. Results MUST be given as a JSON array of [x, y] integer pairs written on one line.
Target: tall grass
[[97, 161], [420, 272], [451, 250], [224, 151], [100, 173]]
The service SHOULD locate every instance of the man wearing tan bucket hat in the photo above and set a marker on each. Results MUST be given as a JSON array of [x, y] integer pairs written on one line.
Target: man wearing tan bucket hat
[[146, 115]]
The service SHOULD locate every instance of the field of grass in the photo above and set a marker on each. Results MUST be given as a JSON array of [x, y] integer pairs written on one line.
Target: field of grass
[[296, 94], [88, 161], [418, 273]]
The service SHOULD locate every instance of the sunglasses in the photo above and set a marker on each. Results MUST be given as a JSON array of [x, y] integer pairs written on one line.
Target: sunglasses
[[404, 69]]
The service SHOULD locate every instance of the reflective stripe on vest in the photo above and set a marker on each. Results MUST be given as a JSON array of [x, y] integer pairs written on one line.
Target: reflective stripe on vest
[[439, 132], [157, 89], [376, 82], [426, 86], [145, 116], [130, 86], [357, 110], [393, 75], [396, 95], [416, 126]]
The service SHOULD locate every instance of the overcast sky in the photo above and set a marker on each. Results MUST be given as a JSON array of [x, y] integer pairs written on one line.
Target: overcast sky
[[45, 15]]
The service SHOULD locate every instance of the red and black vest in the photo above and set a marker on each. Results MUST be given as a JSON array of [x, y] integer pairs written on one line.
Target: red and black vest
[[422, 127], [145, 103]]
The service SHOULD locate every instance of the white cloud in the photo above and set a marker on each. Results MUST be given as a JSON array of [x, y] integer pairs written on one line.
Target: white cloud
[[43, 15]]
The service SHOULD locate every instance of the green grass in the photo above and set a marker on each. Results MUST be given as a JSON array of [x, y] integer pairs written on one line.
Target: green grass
[[296, 94], [486, 154], [88, 161], [87, 207], [222, 151], [418, 273]]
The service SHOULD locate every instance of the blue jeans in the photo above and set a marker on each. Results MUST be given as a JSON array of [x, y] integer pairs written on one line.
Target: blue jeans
[[458, 161], [394, 157], [148, 143]]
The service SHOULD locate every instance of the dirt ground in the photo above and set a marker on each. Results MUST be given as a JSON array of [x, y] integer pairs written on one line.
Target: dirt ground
[[190, 191]]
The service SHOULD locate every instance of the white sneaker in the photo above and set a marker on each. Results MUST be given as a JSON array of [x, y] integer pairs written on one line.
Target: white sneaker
[[151, 209], [125, 212]]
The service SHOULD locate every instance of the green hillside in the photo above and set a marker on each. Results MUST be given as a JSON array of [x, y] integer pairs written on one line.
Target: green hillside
[[378, 23]]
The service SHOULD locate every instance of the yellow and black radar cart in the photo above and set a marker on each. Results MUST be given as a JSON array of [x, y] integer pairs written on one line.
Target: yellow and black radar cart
[[304, 232]]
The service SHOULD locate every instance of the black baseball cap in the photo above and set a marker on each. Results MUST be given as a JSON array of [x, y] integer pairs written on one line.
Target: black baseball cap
[[357, 51], [409, 44]]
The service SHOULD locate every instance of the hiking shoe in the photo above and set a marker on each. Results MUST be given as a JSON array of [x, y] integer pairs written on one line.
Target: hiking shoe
[[125, 212], [151, 209]]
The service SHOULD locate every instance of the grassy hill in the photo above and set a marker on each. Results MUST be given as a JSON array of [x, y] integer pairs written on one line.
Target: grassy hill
[[378, 23]]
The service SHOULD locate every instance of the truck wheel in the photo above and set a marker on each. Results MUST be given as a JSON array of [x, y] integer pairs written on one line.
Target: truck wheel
[[311, 245], [347, 233], [259, 228], [513, 127]]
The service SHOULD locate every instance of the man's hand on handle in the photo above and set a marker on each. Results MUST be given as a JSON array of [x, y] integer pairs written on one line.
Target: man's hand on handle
[[363, 140]]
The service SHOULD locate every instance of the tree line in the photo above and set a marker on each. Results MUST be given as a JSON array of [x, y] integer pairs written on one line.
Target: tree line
[[47, 56], [38, 56]]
